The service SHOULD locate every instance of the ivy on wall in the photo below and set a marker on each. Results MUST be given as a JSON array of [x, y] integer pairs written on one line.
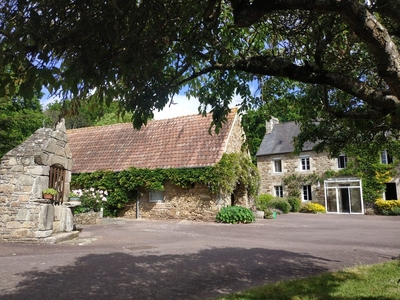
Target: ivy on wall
[[373, 174], [223, 177], [294, 182]]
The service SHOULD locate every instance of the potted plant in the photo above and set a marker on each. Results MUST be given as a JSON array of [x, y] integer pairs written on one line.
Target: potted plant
[[49, 193], [73, 196]]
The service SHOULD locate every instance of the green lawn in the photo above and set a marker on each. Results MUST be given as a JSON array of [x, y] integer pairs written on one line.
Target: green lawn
[[379, 282]]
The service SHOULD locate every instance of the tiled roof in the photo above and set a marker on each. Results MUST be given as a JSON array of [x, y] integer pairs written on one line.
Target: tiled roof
[[182, 142], [280, 140]]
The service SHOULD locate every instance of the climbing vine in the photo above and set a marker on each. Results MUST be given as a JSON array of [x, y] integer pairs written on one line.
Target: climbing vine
[[223, 177], [294, 182], [373, 174]]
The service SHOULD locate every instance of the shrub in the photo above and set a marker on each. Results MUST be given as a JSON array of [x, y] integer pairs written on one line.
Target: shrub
[[387, 207], [262, 201], [281, 204], [314, 208], [91, 199], [268, 213], [295, 203], [235, 214]]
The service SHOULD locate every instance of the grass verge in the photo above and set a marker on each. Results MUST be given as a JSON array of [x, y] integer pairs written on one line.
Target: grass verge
[[379, 282]]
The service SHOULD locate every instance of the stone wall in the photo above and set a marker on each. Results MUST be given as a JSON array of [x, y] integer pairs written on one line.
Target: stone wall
[[24, 173], [236, 137], [319, 163], [192, 203], [88, 218]]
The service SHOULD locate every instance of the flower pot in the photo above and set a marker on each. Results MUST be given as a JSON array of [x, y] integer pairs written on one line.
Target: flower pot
[[48, 196], [74, 199]]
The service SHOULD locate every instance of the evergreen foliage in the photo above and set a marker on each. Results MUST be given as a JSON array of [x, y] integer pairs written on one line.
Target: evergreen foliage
[[19, 119], [262, 201], [295, 203], [343, 55], [235, 215], [280, 203]]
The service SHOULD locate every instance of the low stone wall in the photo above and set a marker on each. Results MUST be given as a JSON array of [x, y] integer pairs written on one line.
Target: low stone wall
[[88, 218]]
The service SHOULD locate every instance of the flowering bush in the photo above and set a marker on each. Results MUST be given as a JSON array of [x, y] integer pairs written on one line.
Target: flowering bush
[[387, 207], [91, 199], [314, 208]]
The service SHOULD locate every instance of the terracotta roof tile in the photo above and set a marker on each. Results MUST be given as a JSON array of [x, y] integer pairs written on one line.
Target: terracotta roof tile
[[182, 142]]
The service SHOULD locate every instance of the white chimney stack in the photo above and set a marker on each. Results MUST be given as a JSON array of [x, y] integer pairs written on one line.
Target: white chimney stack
[[270, 125]]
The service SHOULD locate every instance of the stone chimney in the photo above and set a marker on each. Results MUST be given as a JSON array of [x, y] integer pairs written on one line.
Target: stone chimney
[[270, 125]]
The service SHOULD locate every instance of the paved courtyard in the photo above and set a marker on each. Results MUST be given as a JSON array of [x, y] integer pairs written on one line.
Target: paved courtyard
[[148, 259]]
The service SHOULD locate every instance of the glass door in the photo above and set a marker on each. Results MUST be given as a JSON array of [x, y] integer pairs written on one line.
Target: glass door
[[331, 200]]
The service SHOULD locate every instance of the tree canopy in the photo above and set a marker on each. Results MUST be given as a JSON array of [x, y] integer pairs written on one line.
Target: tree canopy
[[343, 54], [18, 120]]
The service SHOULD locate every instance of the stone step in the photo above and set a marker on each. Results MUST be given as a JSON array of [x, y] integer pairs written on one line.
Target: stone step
[[61, 237]]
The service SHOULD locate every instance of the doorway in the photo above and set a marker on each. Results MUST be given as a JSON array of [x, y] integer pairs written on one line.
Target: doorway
[[391, 191], [343, 195]]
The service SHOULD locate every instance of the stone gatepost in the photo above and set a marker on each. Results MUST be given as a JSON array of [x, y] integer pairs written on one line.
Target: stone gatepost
[[24, 173]]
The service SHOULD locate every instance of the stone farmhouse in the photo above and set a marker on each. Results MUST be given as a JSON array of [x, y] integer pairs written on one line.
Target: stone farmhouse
[[182, 142], [275, 161]]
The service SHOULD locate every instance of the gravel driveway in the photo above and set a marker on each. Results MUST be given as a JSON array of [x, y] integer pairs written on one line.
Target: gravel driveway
[[148, 259]]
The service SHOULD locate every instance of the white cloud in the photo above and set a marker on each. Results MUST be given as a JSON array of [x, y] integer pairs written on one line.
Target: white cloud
[[47, 99], [184, 106]]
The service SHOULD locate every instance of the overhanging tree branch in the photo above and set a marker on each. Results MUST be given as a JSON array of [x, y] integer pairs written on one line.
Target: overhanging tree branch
[[361, 20], [276, 66]]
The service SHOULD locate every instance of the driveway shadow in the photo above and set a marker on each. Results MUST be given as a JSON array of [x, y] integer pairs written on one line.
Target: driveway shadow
[[127, 275]]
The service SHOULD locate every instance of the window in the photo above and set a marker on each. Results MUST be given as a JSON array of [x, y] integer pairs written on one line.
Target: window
[[156, 196], [277, 166], [278, 191], [307, 193], [342, 161], [305, 163], [386, 158]]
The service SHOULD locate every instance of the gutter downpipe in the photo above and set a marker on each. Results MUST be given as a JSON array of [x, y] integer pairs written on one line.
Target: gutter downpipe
[[137, 206]]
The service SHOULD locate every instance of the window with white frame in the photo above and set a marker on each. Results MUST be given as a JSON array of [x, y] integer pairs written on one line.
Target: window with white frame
[[305, 163], [342, 161], [307, 193], [156, 196], [278, 191], [277, 165], [386, 158]]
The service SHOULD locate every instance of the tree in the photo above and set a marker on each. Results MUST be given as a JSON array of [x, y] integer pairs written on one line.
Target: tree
[[278, 100], [85, 113], [18, 120], [343, 53]]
